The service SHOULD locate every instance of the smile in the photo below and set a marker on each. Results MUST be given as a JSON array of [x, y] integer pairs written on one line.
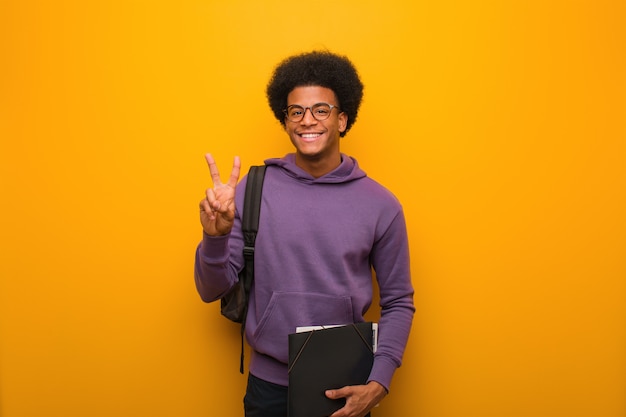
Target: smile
[[310, 135]]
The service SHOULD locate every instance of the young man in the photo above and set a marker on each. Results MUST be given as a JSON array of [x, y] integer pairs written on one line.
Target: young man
[[323, 226]]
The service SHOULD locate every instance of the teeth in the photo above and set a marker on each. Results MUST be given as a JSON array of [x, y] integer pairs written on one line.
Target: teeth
[[310, 135]]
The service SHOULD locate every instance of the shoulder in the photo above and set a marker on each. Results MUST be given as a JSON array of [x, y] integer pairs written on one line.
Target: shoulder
[[369, 187]]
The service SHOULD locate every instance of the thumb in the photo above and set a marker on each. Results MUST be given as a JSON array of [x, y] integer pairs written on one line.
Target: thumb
[[333, 394]]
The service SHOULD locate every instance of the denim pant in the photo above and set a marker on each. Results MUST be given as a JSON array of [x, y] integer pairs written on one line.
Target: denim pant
[[265, 399]]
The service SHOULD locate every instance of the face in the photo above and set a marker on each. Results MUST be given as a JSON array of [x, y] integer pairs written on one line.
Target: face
[[316, 142]]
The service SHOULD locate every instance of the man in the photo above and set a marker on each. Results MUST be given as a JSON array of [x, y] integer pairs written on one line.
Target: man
[[323, 226]]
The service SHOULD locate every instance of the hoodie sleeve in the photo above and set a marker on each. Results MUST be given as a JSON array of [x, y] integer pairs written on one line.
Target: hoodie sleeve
[[390, 260], [213, 273], [220, 258]]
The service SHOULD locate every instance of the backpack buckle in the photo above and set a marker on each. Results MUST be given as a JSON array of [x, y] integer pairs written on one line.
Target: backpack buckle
[[248, 251]]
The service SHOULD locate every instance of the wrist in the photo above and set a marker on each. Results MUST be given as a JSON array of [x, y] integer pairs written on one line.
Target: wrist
[[378, 390]]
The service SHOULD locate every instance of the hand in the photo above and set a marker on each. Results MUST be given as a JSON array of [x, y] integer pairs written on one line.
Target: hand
[[360, 399], [217, 209]]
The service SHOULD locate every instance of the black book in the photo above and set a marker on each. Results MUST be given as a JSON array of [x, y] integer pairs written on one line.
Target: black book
[[325, 359]]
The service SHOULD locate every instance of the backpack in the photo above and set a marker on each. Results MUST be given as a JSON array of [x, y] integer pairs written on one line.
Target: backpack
[[234, 305]]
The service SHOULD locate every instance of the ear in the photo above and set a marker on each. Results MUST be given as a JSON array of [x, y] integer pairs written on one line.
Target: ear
[[343, 121]]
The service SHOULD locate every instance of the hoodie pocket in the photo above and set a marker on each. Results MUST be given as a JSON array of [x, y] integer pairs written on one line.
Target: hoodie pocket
[[288, 310]]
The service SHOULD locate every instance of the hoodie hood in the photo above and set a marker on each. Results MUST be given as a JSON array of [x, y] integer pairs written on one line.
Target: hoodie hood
[[347, 171]]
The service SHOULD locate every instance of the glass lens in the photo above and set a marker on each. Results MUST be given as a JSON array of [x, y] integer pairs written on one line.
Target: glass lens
[[321, 111], [295, 113]]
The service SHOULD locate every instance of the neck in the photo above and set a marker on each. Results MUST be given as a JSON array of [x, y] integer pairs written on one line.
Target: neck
[[318, 167]]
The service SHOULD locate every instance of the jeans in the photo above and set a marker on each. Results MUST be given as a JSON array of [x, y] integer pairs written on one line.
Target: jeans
[[265, 399]]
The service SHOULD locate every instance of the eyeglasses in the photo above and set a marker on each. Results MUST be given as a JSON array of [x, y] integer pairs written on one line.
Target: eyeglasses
[[319, 111]]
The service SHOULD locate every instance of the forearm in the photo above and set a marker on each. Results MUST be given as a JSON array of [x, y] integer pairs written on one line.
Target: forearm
[[214, 275], [393, 335]]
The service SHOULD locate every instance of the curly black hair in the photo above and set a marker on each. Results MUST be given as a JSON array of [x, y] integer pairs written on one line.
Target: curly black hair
[[317, 68]]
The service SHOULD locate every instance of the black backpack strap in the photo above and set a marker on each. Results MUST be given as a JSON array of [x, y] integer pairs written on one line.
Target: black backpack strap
[[250, 227]]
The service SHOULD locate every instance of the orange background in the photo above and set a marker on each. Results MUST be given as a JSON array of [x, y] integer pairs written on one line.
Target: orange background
[[498, 124]]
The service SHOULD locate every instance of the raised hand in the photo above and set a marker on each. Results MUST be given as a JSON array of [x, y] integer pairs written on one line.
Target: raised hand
[[217, 209]]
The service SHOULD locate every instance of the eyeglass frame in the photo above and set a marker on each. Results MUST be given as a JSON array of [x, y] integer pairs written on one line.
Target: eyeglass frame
[[304, 109]]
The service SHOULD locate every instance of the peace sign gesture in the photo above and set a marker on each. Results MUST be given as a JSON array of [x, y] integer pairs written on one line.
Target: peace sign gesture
[[217, 209]]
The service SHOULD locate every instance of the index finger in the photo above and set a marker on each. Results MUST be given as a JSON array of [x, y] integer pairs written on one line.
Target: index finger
[[234, 174]]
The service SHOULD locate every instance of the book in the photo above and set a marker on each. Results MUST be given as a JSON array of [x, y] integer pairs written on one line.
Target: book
[[328, 358]]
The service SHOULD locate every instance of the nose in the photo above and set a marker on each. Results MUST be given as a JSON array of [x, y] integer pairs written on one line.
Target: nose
[[308, 119]]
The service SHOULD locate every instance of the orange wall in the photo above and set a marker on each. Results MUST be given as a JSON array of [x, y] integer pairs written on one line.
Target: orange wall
[[500, 125]]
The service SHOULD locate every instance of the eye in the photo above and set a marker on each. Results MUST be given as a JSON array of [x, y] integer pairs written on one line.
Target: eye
[[295, 111], [321, 111]]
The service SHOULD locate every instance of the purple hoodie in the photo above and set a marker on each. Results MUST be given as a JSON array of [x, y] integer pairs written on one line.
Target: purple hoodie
[[317, 243]]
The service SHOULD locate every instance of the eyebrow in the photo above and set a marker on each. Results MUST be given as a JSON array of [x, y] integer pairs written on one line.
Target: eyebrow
[[314, 104]]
